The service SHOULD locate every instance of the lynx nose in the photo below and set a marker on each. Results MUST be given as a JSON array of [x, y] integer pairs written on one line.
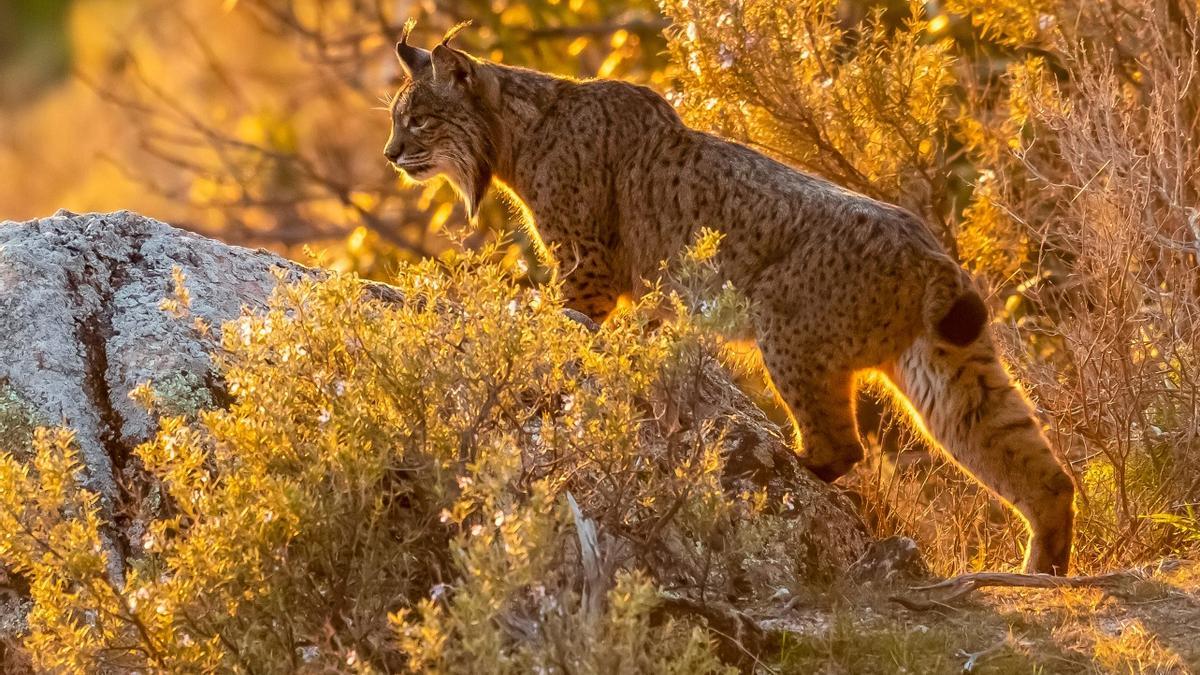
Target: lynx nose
[[394, 149]]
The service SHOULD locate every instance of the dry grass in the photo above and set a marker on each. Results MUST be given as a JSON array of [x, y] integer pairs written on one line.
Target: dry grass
[[1138, 627]]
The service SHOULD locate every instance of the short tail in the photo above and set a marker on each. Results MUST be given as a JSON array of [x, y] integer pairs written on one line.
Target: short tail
[[954, 310]]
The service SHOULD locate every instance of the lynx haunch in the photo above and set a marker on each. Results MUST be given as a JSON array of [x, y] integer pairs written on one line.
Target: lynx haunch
[[611, 176]]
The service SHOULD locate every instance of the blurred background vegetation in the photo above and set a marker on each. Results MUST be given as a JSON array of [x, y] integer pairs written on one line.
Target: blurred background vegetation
[[1054, 146], [258, 121]]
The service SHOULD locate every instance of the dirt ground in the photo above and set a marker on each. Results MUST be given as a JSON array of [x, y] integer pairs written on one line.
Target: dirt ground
[[1135, 625]]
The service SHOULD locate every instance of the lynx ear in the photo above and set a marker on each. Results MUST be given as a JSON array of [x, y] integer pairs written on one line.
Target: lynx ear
[[451, 65], [415, 61]]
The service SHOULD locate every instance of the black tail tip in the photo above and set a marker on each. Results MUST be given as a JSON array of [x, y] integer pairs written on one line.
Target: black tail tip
[[965, 321]]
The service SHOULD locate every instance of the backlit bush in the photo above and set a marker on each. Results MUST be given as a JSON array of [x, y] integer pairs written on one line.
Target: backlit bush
[[388, 491]]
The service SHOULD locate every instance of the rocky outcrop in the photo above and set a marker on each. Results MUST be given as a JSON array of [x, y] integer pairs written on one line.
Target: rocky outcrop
[[81, 324]]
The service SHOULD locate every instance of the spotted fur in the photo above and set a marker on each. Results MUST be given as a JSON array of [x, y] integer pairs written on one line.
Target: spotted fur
[[842, 283]]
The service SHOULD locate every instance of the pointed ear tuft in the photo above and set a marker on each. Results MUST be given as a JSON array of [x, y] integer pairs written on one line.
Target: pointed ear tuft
[[409, 25], [454, 31]]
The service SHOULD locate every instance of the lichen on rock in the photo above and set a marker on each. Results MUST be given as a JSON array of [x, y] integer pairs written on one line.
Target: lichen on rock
[[17, 421]]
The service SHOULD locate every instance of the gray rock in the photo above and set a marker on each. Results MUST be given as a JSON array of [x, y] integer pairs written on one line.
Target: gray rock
[[81, 324]]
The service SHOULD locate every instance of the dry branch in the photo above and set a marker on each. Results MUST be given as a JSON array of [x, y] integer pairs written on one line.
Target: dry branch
[[963, 584]]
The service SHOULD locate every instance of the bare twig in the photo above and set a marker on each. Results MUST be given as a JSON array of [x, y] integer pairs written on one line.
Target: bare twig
[[974, 658], [962, 585]]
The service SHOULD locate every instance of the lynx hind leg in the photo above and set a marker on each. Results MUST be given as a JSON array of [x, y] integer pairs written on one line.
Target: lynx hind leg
[[821, 404], [976, 413]]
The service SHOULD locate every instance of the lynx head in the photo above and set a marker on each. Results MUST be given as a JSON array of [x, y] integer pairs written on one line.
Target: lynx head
[[442, 118]]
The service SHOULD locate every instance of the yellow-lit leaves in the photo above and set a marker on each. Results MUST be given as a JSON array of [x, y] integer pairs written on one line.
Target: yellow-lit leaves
[[50, 531], [380, 457], [867, 109], [988, 239], [1010, 22]]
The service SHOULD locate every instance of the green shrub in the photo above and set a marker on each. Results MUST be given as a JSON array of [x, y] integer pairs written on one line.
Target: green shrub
[[386, 490]]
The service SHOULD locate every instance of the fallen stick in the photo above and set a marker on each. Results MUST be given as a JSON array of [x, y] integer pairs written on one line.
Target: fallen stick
[[964, 584], [974, 658]]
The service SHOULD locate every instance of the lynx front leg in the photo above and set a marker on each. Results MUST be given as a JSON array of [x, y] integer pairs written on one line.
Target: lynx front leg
[[588, 279], [820, 400]]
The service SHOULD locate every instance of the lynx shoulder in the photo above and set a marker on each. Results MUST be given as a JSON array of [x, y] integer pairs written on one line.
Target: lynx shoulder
[[842, 284]]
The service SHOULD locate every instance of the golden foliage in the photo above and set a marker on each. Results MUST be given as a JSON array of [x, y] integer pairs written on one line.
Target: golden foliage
[[382, 460], [866, 107]]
